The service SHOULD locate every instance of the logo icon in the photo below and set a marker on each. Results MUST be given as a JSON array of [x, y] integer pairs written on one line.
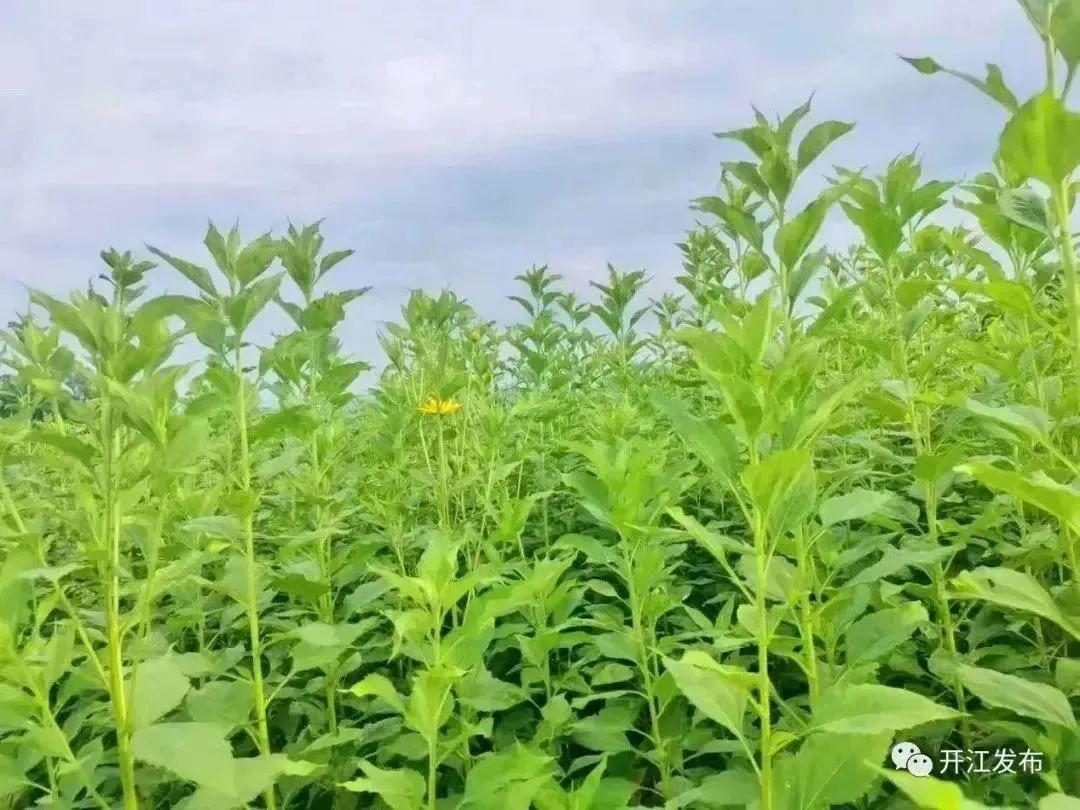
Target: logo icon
[[906, 756]]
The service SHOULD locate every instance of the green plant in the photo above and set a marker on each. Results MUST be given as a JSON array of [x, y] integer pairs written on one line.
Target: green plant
[[716, 548]]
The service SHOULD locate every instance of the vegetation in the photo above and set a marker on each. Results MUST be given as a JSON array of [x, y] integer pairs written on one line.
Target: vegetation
[[830, 502]]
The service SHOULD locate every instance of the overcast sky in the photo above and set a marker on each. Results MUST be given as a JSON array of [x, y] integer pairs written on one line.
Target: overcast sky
[[450, 144]]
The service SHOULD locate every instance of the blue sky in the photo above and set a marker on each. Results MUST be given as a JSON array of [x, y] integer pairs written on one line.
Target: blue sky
[[450, 144]]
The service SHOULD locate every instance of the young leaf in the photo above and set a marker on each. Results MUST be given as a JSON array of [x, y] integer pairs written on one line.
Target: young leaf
[[710, 441], [818, 139]]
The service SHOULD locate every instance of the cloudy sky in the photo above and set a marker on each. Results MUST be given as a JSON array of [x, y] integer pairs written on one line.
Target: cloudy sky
[[450, 144]]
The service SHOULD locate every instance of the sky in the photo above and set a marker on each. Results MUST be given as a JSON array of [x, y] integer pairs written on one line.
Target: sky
[[451, 144]]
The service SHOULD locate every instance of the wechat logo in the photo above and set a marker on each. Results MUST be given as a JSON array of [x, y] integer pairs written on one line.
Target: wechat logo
[[906, 756]]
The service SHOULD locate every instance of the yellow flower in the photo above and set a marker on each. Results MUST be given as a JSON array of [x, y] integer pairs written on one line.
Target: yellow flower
[[440, 407]]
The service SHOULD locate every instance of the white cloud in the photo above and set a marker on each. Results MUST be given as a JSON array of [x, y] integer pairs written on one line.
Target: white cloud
[[133, 121]]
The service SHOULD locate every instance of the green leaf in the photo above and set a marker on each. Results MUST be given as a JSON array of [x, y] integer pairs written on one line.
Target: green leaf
[[861, 504], [828, 770], [255, 259], [748, 174], [1065, 28], [1038, 13], [73, 448], [818, 139], [160, 686], [795, 236], [199, 276], [58, 653], [924, 64], [1025, 420], [375, 685], [716, 544], [783, 488], [252, 776], [1021, 695], [883, 233], [219, 249], [757, 139], [1036, 489], [482, 692], [401, 790], [221, 702], [1028, 208], [927, 792], [739, 220], [1042, 141], [719, 692], [710, 441], [606, 730], [1014, 590], [13, 779], [197, 752], [332, 259], [876, 635], [226, 527], [873, 709], [431, 702], [506, 780], [246, 305], [1059, 801], [993, 85]]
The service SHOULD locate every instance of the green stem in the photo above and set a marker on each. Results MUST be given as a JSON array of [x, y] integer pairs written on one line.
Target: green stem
[[1068, 255], [945, 614], [645, 668], [444, 492], [432, 772], [807, 575], [251, 596], [110, 532], [764, 684]]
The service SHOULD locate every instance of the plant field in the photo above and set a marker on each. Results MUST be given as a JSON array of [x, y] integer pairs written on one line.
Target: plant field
[[721, 548]]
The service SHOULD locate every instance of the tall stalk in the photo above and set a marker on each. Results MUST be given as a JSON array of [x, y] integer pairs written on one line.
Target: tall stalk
[[1072, 283], [250, 568], [643, 646], [922, 445]]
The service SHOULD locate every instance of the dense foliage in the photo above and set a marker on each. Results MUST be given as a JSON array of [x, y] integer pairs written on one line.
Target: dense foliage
[[828, 503]]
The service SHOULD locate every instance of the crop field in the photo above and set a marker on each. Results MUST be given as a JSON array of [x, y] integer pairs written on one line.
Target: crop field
[[733, 546]]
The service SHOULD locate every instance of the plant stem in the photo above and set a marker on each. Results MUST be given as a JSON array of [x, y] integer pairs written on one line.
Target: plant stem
[[647, 678], [764, 684], [806, 624], [444, 492], [252, 596], [1071, 287], [945, 613], [110, 532]]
